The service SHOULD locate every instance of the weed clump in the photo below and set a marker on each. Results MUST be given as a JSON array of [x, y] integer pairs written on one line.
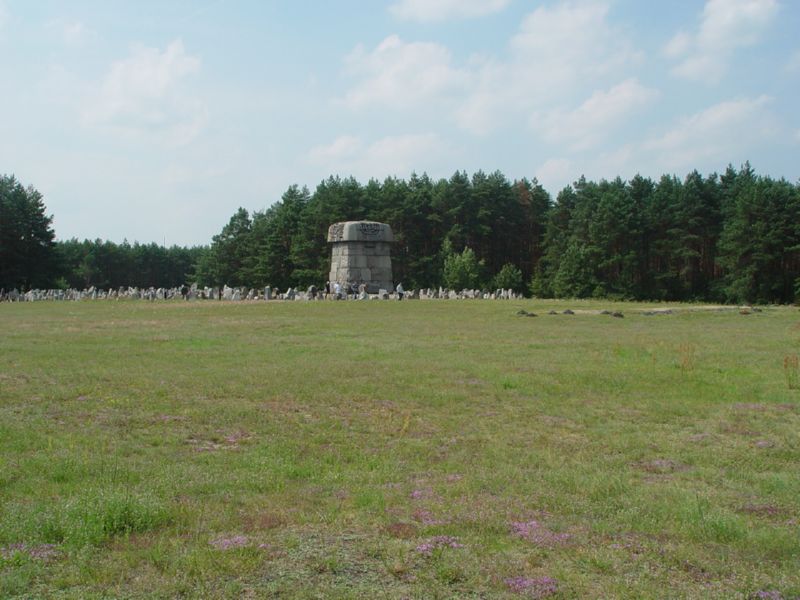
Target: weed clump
[[791, 370], [91, 520], [686, 356]]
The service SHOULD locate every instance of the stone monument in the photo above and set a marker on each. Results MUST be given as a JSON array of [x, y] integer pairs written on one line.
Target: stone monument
[[360, 255]]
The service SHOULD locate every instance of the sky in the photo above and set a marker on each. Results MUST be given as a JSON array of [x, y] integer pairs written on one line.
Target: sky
[[154, 120]]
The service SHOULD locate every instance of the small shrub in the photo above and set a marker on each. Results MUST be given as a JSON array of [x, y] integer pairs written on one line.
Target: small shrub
[[461, 271], [450, 573], [509, 277]]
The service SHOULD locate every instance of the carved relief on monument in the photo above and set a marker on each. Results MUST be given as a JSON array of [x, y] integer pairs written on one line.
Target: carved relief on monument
[[369, 228], [336, 232]]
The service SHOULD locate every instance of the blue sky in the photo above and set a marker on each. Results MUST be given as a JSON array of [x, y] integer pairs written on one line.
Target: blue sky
[[155, 120]]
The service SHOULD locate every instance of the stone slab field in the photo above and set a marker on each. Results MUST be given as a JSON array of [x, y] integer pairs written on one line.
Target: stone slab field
[[398, 450]]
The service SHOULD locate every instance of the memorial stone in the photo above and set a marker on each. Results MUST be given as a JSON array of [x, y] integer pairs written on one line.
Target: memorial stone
[[360, 255]]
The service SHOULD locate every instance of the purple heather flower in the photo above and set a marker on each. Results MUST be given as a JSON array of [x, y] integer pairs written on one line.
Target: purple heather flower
[[439, 541], [236, 541], [8, 551], [541, 587], [767, 595], [43, 551], [535, 532], [40, 552], [426, 517]]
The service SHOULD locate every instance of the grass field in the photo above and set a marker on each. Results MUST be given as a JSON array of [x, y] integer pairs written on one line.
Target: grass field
[[423, 449]]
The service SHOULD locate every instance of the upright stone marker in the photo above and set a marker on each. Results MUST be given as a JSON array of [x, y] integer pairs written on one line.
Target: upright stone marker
[[360, 254]]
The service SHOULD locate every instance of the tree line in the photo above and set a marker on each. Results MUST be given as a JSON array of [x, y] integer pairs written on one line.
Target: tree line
[[30, 257], [733, 237], [106, 265]]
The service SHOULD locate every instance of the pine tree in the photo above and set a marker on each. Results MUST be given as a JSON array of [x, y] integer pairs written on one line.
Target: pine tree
[[27, 249]]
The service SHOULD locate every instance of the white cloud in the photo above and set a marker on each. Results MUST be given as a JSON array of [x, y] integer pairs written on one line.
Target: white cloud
[[72, 33], [556, 50], [554, 173], [342, 148], [389, 156], [143, 94], [401, 75], [679, 45], [575, 36], [428, 11], [399, 155], [729, 132], [725, 26], [624, 161], [591, 121], [717, 133]]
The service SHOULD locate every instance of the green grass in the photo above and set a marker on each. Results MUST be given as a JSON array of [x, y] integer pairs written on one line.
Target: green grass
[[307, 449]]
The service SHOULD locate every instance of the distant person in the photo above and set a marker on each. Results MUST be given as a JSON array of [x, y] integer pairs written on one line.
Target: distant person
[[327, 289], [400, 291], [184, 291], [337, 291]]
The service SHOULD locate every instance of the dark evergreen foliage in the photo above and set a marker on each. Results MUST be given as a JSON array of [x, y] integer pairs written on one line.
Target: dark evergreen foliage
[[107, 265], [27, 256]]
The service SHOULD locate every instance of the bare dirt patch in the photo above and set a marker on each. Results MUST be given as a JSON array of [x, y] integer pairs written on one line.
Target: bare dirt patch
[[403, 531], [223, 441], [264, 520], [762, 510], [660, 466]]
